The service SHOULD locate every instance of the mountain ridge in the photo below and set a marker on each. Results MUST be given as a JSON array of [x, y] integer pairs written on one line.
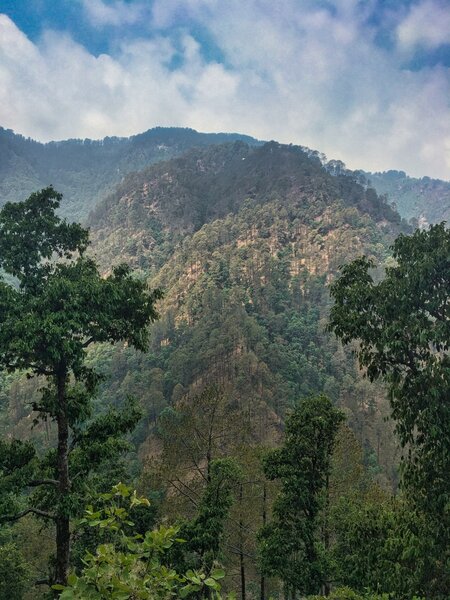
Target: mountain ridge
[[156, 207], [86, 171]]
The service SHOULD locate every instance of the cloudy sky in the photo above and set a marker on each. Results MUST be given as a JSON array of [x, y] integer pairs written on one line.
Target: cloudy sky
[[366, 81]]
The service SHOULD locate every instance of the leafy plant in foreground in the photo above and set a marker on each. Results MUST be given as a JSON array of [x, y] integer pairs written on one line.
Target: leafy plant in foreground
[[134, 566]]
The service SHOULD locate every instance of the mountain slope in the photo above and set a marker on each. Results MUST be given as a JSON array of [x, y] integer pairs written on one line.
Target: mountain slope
[[86, 170], [426, 200], [151, 211], [243, 241]]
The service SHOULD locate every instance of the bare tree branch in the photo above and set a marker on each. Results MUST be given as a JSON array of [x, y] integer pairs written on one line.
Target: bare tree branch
[[35, 511], [36, 482]]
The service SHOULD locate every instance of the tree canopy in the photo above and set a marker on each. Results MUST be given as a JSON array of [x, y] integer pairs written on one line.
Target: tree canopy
[[401, 325], [290, 548], [57, 305]]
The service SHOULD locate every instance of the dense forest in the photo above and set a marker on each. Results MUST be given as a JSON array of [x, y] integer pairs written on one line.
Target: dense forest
[[245, 408]]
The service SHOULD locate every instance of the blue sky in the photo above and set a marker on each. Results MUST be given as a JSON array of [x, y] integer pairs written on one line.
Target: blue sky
[[364, 81]]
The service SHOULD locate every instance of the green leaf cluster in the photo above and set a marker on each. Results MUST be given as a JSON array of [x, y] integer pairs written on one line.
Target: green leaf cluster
[[135, 566]]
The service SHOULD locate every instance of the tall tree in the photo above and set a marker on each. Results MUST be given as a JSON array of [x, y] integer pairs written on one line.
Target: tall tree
[[205, 532], [290, 547], [53, 311], [402, 327], [193, 433]]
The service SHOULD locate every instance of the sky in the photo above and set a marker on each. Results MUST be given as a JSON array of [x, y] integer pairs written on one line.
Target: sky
[[363, 81]]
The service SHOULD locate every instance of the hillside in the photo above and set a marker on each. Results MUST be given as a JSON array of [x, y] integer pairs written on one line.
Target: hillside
[[426, 200], [243, 241], [86, 170], [151, 211]]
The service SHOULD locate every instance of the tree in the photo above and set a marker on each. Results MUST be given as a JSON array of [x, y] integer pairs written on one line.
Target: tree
[[135, 566], [290, 547], [402, 329], [379, 546], [196, 431], [205, 532], [47, 321], [13, 572]]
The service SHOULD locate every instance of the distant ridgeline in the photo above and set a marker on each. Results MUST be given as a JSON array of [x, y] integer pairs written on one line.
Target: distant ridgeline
[[425, 200], [86, 170], [422, 201]]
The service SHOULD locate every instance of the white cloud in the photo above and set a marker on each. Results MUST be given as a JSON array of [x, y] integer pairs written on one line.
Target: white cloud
[[117, 13], [427, 24], [308, 76]]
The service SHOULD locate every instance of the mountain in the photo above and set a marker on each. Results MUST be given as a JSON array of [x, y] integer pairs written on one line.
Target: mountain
[[153, 210], [425, 200], [86, 170], [243, 239]]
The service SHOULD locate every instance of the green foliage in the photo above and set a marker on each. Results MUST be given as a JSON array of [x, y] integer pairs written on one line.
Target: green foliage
[[31, 232], [134, 566], [47, 323], [382, 544], [402, 327], [205, 532], [348, 594], [290, 548], [13, 572]]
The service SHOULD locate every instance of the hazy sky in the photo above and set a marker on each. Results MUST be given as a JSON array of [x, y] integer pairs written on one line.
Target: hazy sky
[[366, 81]]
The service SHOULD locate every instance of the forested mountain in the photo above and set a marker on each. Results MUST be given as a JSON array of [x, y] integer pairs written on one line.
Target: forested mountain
[[426, 200], [244, 240], [86, 170]]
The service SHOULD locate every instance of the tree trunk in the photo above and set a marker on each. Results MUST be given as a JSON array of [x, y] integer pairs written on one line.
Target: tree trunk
[[242, 569], [62, 518], [326, 533], [264, 521], [241, 546]]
